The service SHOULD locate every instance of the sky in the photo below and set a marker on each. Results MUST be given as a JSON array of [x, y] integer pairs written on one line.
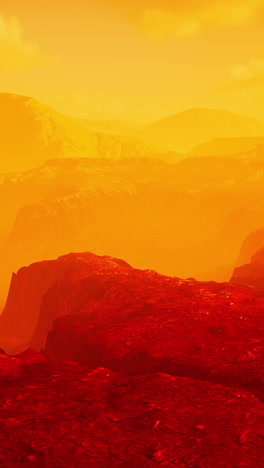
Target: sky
[[136, 60]]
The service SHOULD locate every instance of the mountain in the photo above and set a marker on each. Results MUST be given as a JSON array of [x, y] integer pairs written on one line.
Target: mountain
[[143, 210], [185, 130], [117, 127], [227, 146], [31, 133]]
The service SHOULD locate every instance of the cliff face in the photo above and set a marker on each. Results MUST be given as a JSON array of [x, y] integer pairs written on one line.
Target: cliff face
[[251, 273], [27, 288], [99, 311], [252, 244]]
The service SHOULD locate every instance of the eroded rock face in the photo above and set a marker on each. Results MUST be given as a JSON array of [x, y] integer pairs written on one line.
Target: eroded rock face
[[52, 414], [20, 316], [252, 244], [251, 273]]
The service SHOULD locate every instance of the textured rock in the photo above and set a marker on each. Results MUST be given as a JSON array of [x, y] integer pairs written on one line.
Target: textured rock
[[101, 312], [66, 416], [20, 316], [139, 321]]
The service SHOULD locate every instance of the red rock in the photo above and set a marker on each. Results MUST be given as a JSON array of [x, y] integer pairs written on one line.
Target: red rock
[[102, 418], [200, 427], [102, 312], [182, 327], [19, 318]]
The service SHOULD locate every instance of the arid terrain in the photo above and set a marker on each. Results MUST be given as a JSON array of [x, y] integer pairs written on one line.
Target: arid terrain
[[132, 234], [135, 369], [132, 332]]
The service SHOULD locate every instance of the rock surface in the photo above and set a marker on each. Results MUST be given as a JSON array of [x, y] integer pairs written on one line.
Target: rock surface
[[101, 312], [66, 416], [251, 245], [251, 273], [21, 313]]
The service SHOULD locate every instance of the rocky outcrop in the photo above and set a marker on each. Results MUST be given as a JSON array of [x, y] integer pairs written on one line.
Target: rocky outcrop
[[21, 313], [251, 273], [141, 321], [252, 244], [100, 312]]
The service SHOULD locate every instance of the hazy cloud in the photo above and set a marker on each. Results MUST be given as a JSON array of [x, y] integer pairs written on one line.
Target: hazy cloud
[[249, 73], [244, 81], [178, 18], [15, 51]]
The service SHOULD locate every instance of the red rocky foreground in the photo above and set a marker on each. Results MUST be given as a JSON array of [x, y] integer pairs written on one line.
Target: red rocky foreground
[[101, 312], [138, 369], [56, 415]]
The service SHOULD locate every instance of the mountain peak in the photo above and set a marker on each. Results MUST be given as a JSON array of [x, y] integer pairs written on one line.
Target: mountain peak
[[32, 133], [185, 130], [9, 97]]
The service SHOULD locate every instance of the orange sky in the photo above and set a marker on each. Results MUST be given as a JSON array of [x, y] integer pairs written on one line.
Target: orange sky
[[134, 60]]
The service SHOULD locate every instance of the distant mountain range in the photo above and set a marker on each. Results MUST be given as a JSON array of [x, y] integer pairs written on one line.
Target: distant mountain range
[[185, 130], [181, 219], [31, 133], [241, 146]]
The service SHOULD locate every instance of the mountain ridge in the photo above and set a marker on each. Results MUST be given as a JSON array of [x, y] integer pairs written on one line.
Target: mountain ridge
[[31, 133], [185, 130]]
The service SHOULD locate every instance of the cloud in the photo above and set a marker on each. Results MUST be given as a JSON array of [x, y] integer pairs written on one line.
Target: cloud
[[16, 53], [177, 18], [244, 78], [250, 73]]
